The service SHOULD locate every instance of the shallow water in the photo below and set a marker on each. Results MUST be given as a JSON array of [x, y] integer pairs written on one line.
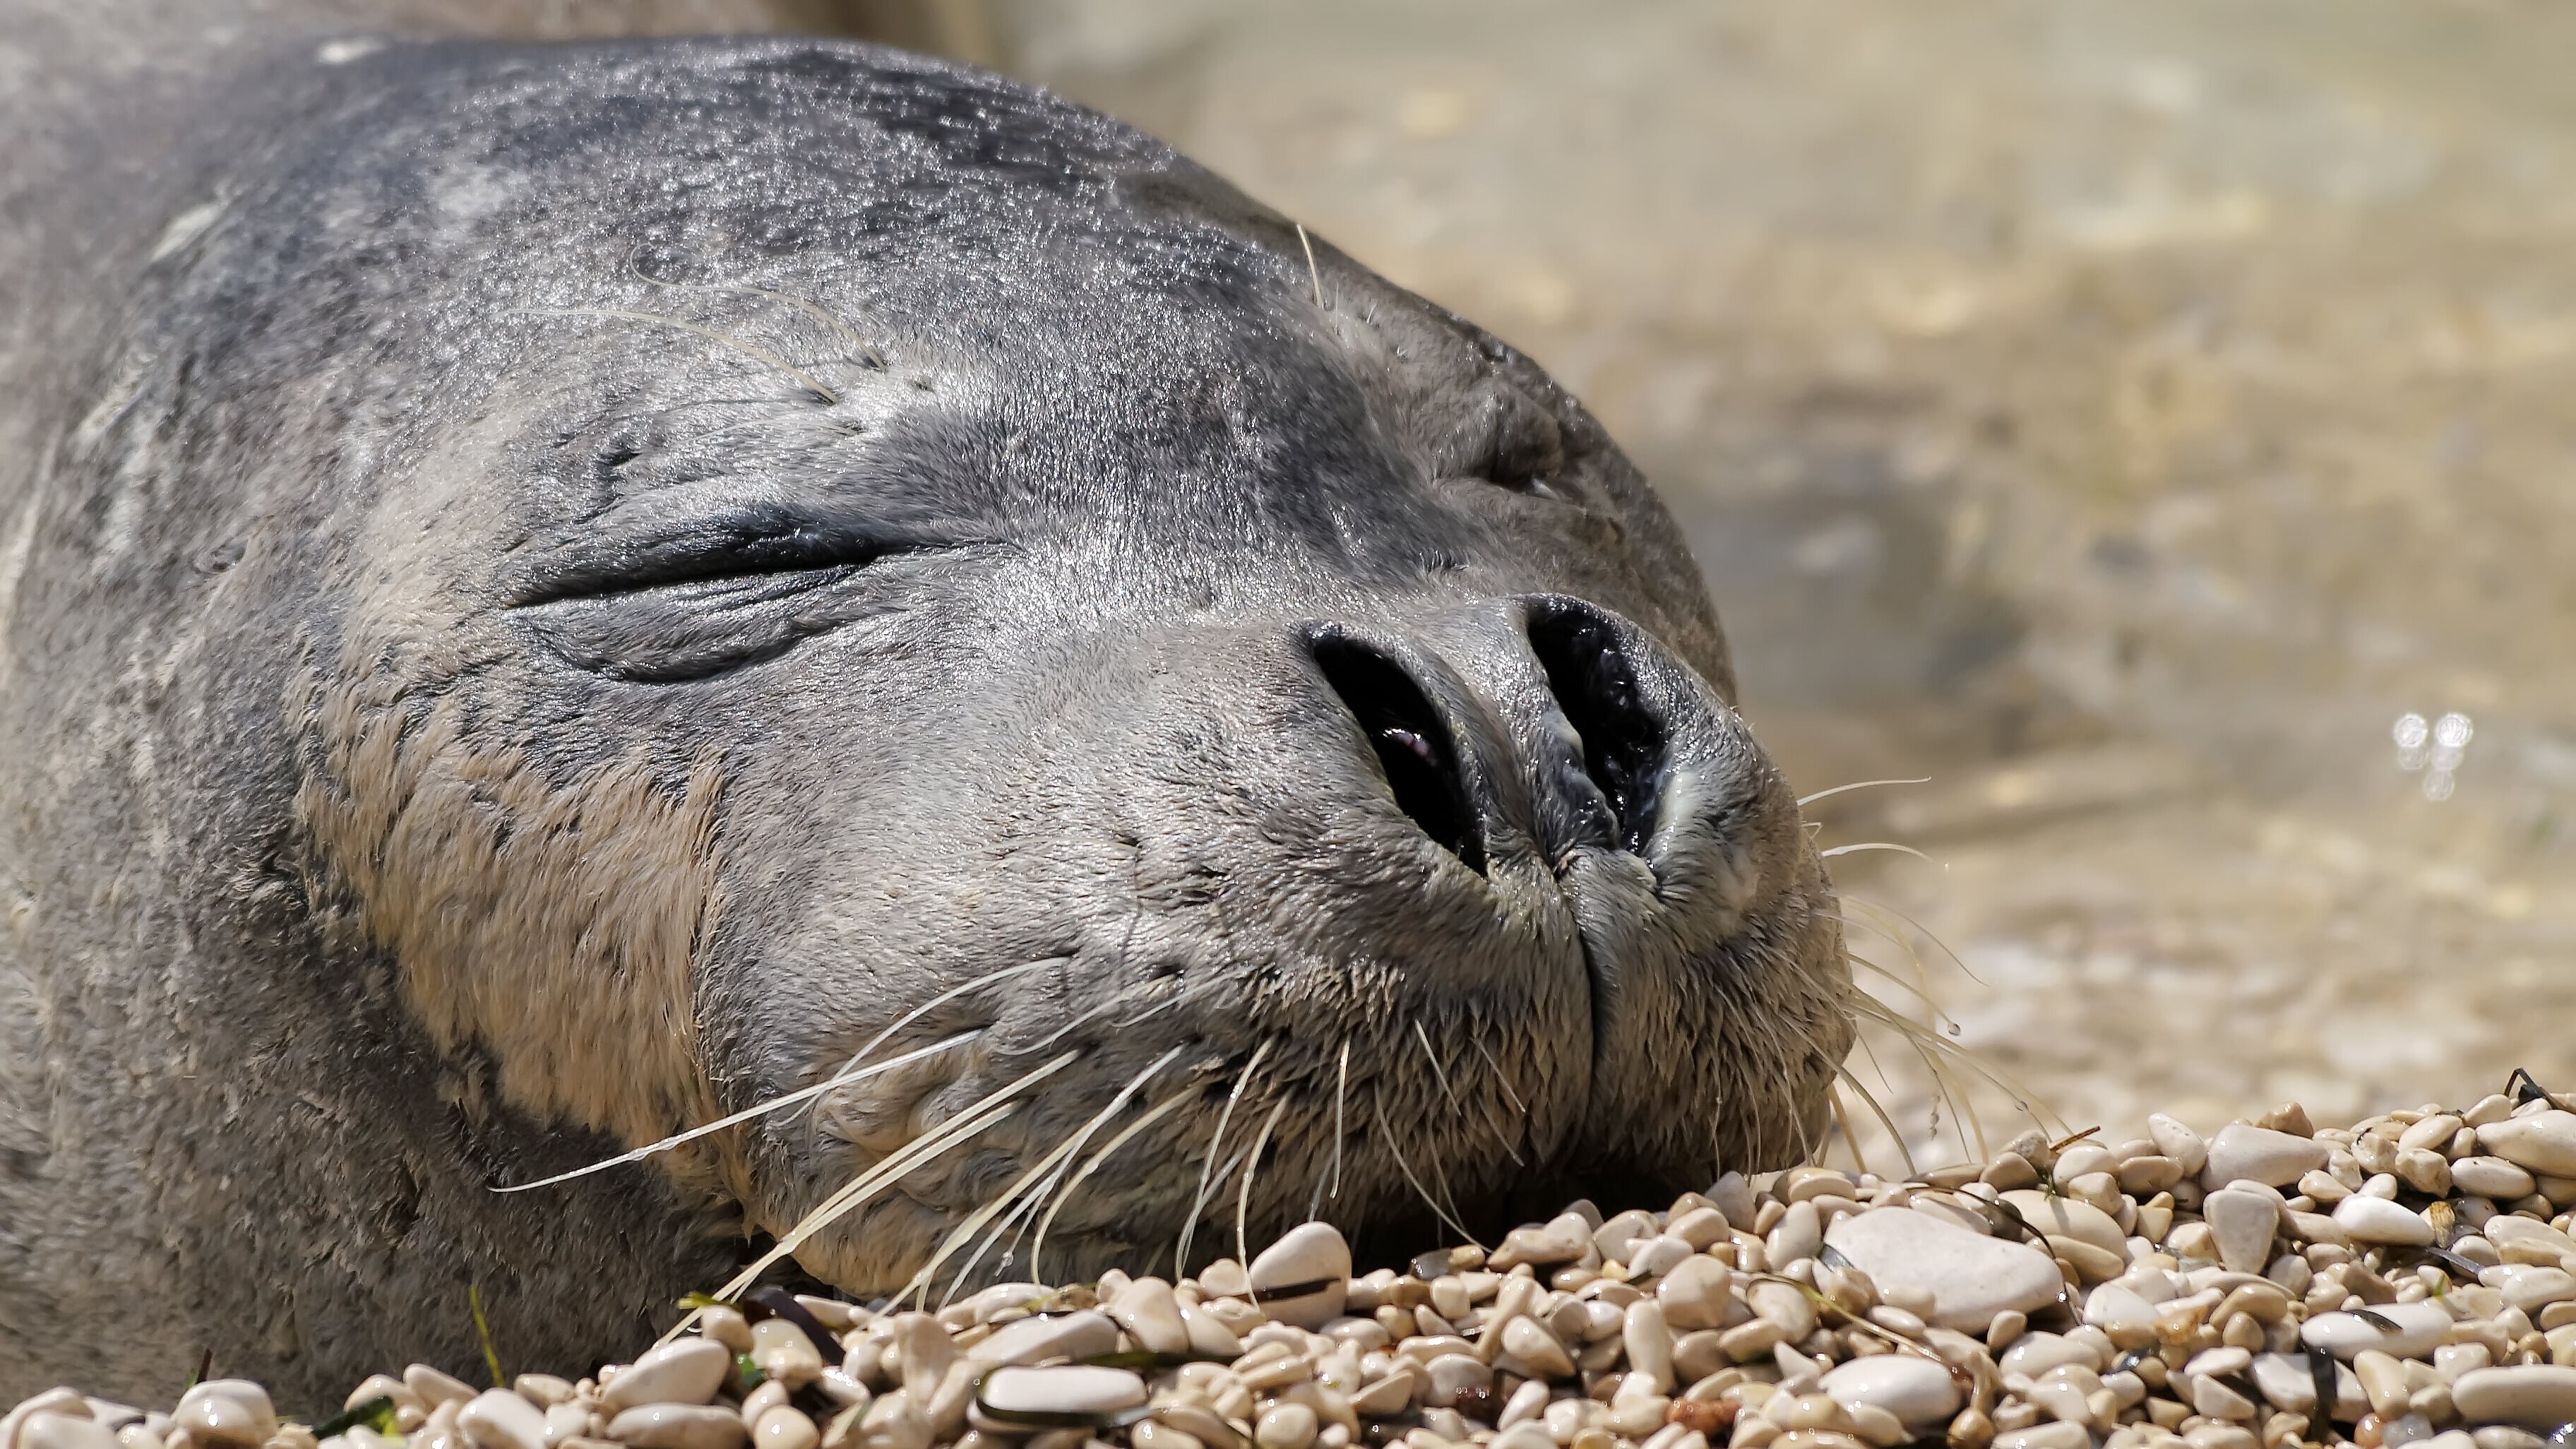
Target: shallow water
[[2124, 414]]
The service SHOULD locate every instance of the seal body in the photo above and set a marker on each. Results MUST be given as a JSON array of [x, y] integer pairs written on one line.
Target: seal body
[[550, 593]]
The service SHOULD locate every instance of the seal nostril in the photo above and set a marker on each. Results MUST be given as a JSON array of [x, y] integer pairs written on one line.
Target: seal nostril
[[1411, 740], [1623, 744]]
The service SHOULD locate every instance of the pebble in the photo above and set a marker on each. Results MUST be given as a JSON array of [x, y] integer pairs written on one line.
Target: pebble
[[2240, 1153], [2544, 1142], [782, 1352], [2243, 1223], [2497, 1178], [1285, 1426], [678, 1426], [1917, 1390], [500, 1419], [1058, 1335], [2059, 1435], [1064, 1389], [683, 1371], [784, 1427], [1533, 1345], [1695, 1294], [62, 1431], [1970, 1278], [1152, 1316], [2288, 1382], [226, 1411], [2419, 1327], [2065, 1217], [2536, 1396], [2367, 1219], [1314, 1259]]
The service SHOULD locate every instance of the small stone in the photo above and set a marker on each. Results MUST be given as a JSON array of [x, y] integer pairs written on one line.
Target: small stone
[[226, 1411], [2244, 1224], [1648, 1342], [2178, 1142], [1695, 1293], [1062, 1389], [784, 1427], [683, 1371], [2492, 1177], [1732, 1195], [1561, 1239], [2542, 1143], [2367, 1219], [2419, 1327], [1530, 1342], [2530, 1288], [2060, 1435], [1798, 1234], [2536, 1396], [783, 1353], [1452, 1374], [2258, 1154], [1304, 1279], [2128, 1320], [2033, 1354], [678, 1426], [727, 1326], [1971, 1279], [2288, 1382], [1657, 1256], [2057, 1216], [1285, 1426], [1150, 1313], [1784, 1304], [500, 1419], [436, 1386], [62, 1431], [1058, 1335], [1917, 1390]]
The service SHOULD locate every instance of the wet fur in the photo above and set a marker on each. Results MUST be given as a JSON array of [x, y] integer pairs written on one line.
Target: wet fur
[[387, 813]]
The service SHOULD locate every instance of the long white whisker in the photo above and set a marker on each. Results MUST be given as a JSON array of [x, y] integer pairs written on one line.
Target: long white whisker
[[1341, 1092], [1806, 800], [1503, 1081], [1875, 845], [1108, 1149], [1251, 1165], [747, 1113], [951, 994], [1437, 1210], [1207, 1169], [1451, 1093]]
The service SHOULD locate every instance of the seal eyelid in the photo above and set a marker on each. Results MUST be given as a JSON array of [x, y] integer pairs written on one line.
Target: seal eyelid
[[755, 545]]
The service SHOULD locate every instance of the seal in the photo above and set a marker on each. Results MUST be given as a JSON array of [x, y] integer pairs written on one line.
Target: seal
[[557, 593]]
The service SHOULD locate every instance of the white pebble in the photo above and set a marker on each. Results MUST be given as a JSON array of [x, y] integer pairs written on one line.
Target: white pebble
[[500, 1419], [2369, 1219], [2259, 1154], [62, 1431], [683, 1371], [2492, 1177], [1058, 1335], [1695, 1293], [2544, 1142], [1918, 1391], [1970, 1279], [2537, 1396], [2066, 1217], [226, 1411], [2288, 1382], [1285, 1426], [2419, 1327], [2243, 1222], [2178, 1142], [436, 1386], [1313, 1260], [678, 1426], [2060, 1435], [1062, 1389], [1152, 1316], [2530, 1288]]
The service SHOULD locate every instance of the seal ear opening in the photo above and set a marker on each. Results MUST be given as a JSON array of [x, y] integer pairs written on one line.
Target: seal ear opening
[[1411, 739]]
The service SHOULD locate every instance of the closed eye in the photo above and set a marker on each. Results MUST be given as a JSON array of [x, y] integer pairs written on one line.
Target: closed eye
[[774, 543]]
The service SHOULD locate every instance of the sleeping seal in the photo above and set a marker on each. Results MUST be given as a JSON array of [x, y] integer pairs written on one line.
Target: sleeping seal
[[555, 593]]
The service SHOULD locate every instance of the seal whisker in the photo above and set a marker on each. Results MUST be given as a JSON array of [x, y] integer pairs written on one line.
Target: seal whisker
[[1879, 1111], [991, 1108], [975, 1222], [1875, 845], [1447, 1218], [761, 355], [951, 994], [1806, 800], [1107, 1150], [1243, 1197], [1451, 1092], [1341, 1092], [842, 1078], [1208, 1170]]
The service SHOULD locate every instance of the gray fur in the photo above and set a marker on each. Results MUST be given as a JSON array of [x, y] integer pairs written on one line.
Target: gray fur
[[549, 592]]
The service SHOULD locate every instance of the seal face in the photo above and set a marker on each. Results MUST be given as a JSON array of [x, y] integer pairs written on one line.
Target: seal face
[[622, 580]]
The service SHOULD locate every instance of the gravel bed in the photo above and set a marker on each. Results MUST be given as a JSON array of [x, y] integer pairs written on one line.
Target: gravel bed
[[2406, 1280]]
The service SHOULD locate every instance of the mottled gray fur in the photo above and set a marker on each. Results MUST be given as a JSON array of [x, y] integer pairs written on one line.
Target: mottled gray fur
[[549, 592]]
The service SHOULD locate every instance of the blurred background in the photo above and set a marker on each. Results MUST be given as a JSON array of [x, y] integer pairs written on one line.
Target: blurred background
[[2148, 421]]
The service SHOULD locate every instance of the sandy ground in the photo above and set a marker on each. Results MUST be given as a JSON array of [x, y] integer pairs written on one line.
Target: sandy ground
[[2120, 413]]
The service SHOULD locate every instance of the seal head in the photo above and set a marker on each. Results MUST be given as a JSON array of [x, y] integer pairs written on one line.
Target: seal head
[[591, 588]]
